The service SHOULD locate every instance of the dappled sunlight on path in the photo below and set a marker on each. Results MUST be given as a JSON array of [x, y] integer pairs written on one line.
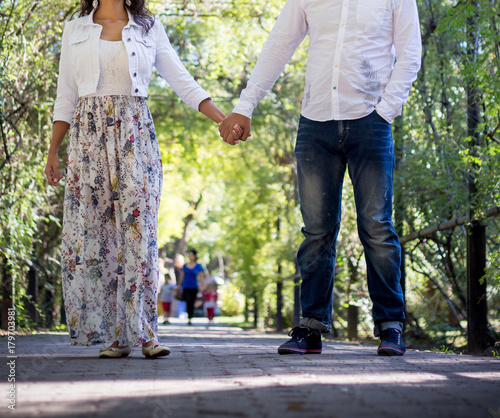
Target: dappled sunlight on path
[[223, 371]]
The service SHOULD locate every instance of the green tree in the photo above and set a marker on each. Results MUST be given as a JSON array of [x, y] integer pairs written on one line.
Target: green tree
[[30, 33]]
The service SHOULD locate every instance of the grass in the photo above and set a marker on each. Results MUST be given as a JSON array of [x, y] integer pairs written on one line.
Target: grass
[[237, 321]]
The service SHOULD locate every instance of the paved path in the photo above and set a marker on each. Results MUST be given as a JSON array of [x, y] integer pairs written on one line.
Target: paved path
[[227, 372]]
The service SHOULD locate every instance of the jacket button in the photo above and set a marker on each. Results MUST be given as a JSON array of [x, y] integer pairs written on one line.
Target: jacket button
[[133, 54]]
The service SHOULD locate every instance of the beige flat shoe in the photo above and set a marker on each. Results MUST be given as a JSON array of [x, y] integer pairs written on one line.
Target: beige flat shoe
[[155, 350], [114, 352]]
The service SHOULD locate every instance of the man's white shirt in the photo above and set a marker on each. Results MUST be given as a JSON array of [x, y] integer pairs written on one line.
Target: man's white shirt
[[363, 55]]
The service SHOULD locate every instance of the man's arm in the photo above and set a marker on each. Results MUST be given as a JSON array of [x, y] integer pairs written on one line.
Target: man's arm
[[287, 34], [408, 49]]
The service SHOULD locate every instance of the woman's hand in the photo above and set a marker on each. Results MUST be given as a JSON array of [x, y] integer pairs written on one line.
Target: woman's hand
[[235, 128], [52, 169]]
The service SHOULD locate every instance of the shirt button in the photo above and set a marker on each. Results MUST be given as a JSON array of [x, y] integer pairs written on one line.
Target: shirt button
[[336, 66], [133, 54], [135, 74], [137, 90], [335, 88], [128, 39]]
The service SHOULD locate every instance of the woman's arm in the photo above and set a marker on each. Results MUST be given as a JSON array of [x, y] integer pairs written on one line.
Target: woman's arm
[[67, 89], [210, 110], [170, 67], [52, 167]]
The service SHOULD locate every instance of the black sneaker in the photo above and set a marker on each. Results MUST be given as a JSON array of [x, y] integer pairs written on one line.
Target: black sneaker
[[304, 341], [391, 343]]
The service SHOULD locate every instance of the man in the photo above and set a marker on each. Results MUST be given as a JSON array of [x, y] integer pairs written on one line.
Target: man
[[363, 57]]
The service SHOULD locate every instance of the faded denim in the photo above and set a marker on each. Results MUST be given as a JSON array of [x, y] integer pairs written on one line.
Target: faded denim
[[324, 150]]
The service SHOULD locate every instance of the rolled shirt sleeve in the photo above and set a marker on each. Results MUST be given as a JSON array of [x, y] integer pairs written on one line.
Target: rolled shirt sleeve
[[408, 51]]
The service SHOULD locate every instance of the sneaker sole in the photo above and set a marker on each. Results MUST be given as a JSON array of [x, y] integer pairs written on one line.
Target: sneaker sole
[[390, 352], [290, 350]]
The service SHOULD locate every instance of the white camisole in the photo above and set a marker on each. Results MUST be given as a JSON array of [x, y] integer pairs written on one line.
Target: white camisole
[[114, 76]]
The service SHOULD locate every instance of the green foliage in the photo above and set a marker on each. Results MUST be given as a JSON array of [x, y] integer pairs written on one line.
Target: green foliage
[[444, 349], [245, 190], [232, 300], [30, 33], [241, 202], [438, 157]]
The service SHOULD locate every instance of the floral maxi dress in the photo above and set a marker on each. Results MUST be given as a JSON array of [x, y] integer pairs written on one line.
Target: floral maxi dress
[[109, 238]]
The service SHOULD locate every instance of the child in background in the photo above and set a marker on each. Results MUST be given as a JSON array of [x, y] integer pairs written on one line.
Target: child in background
[[210, 296], [167, 297]]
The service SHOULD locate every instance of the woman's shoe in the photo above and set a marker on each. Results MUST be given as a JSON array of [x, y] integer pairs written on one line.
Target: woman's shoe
[[155, 350], [114, 352]]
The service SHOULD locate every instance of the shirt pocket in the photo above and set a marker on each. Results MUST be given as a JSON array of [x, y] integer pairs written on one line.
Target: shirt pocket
[[146, 53], [79, 45], [373, 12], [146, 44]]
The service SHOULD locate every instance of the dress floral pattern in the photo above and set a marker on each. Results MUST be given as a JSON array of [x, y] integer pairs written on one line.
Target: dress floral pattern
[[109, 237]]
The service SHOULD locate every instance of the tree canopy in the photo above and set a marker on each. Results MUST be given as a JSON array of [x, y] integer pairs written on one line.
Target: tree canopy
[[241, 203]]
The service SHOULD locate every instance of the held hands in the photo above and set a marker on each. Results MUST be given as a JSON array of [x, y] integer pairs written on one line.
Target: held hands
[[235, 128]]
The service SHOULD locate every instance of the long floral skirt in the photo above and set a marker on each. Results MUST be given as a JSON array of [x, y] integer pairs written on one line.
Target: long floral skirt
[[109, 237]]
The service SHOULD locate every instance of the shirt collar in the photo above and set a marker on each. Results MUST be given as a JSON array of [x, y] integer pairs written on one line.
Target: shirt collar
[[89, 20]]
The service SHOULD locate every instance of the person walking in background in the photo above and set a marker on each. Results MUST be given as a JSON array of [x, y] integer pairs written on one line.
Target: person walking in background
[[181, 304], [192, 274], [363, 57], [167, 297], [113, 171], [178, 265], [210, 297]]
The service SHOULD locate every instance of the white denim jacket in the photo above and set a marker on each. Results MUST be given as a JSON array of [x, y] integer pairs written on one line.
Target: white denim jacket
[[79, 64]]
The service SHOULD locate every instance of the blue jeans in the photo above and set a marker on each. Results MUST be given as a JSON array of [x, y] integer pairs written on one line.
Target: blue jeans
[[323, 151]]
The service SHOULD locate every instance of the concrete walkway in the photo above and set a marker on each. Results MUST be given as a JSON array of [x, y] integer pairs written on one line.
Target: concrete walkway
[[228, 372]]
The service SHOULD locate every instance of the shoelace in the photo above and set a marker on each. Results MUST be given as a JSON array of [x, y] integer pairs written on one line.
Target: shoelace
[[299, 333], [392, 335]]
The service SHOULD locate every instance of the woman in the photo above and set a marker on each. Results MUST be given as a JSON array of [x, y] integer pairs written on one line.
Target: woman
[[113, 172], [191, 274]]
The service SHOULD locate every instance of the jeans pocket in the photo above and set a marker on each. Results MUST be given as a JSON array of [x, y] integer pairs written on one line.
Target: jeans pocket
[[303, 135]]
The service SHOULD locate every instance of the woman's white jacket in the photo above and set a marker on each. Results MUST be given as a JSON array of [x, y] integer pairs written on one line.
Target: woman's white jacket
[[79, 64]]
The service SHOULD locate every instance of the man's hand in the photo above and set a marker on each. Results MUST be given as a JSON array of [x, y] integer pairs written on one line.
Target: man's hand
[[227, 128]]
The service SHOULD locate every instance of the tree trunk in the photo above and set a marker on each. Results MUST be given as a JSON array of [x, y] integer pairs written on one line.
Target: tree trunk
[[352, 322], [32, 293], [255, 310], [245, 310], [279, 288], [477, 320], [279, 302]]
